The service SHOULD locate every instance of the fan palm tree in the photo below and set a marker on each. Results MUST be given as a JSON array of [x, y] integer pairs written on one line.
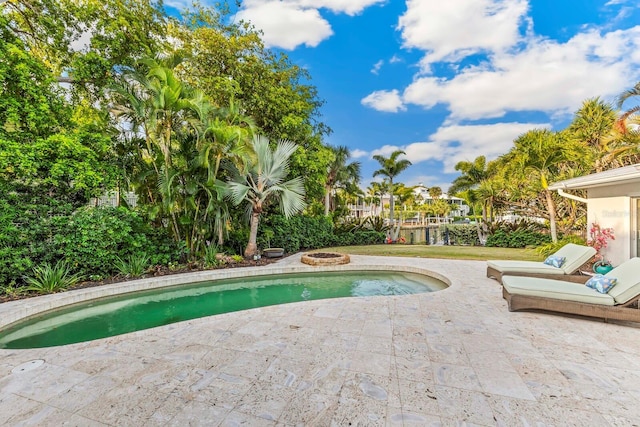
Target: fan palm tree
[[263, 181], [391, 167], [340, 173]]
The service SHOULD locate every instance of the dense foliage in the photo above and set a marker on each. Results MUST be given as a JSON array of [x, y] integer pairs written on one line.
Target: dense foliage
[[90, 240], [170, 108], [301, 232], [461, 234], [597, 139]]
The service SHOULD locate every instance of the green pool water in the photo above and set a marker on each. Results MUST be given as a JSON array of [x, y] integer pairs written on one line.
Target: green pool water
[[142, 310]]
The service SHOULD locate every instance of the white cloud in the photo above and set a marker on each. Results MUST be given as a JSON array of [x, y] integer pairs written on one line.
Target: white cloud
[[454, 143], [451, 30], [286, 25], [546, 76], [394, 59], [384, 100], [357, 153], [291, 23], [350, 7], [385, 150], [376, 67]]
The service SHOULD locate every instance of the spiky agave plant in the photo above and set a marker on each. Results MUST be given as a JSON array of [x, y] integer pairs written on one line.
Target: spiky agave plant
[[49, 278]]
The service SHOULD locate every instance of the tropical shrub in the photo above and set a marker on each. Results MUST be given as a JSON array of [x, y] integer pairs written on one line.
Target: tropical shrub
[[94, 239], [49, 278], [517, 239], [462, 234], [91, 240], [133, 265], [360, 237], [210, 257], [297, 232], [301, 232], [26, 221]]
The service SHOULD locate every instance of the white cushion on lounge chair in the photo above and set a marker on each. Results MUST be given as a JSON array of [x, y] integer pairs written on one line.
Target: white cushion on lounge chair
[[509, 266], [575, 255], [628, 275], [556, 289]]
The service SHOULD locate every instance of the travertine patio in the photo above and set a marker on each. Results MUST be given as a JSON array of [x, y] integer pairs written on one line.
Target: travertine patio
[[454, 357]]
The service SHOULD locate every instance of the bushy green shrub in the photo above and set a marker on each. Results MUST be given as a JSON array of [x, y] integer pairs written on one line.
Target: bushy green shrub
[[95, 238], [133, 265], [462, 234], [90, 240], [302, 232], [26, 232], [522, 224], [517, 239]]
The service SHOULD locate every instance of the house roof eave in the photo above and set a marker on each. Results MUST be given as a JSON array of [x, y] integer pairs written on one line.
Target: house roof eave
[[613, 176]]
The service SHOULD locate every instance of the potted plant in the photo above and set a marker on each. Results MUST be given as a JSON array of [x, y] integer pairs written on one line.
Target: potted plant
[[598, 239], [271, 252]]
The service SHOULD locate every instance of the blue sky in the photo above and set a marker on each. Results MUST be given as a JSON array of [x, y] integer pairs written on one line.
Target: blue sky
[[449, 80]]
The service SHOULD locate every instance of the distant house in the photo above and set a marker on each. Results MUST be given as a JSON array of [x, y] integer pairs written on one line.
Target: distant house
[[458, 205], [613, 200], [113, 198], [361, 209]]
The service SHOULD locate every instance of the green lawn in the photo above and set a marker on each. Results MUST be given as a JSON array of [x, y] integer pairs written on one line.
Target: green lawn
[[449, 252]]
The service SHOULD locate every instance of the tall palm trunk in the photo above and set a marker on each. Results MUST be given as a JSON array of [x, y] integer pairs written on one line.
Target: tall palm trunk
[[327, 200], [552, 215], [252, 246], [391, 208]]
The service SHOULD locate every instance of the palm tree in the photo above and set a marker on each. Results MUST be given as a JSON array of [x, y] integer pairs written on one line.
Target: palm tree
[[167, 112], [435, 192], [473, 174], [594, 126], [339, 173], [406, 196], [391, 168], [634, 92], [541, 152], [373, 196], [262, 182]]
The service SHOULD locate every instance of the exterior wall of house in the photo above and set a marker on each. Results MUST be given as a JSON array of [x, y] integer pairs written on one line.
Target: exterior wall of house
[[612, 212]]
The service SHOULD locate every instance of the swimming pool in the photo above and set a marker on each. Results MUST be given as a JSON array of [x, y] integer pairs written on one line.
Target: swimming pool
[[142, 310]]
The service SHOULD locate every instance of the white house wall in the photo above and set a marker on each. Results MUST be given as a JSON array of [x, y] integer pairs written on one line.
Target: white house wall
[[615, 213]]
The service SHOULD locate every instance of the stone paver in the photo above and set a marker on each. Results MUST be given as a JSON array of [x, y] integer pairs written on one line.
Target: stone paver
[[452, 357]]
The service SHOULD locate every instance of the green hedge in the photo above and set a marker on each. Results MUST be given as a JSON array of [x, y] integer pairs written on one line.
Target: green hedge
[[462, 234], [302, 232], [90, 239], [95, 237], [517, 239]]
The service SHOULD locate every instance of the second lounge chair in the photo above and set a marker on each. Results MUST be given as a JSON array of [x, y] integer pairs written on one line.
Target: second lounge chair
[[619, 303], [575, 256]]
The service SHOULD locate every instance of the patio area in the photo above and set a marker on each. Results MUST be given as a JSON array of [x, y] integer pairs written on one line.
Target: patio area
[[446, 358]]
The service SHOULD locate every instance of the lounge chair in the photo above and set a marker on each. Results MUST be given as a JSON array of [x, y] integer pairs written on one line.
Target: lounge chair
[[576, 256], [620, 303]]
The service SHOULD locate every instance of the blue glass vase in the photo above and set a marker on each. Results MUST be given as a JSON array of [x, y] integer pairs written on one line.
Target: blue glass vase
[[602, 268]]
